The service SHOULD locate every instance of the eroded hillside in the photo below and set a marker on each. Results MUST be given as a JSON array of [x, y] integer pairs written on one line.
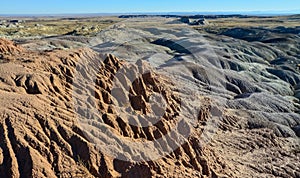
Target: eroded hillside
[[86, 110]]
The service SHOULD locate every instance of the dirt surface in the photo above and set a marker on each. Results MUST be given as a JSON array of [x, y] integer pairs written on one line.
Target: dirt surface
[[226, 102]]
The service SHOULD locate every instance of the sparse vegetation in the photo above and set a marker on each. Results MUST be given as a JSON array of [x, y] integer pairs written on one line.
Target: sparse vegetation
[[43, 27], [219, 24]]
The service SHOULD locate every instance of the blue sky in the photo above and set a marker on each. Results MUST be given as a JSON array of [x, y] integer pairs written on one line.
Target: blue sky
[[122, 6]]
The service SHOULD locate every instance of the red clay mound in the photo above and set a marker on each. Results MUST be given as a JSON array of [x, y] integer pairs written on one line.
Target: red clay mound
[[9, 47]]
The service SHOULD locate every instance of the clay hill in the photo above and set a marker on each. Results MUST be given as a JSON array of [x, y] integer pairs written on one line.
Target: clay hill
[[47, 94]]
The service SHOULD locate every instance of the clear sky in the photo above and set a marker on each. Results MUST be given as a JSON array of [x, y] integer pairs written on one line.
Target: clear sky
[[123, 6]]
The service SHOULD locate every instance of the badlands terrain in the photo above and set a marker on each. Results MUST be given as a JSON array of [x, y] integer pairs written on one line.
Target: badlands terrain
[[150, 96]]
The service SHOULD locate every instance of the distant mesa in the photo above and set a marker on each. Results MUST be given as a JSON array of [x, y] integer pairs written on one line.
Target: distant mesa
[[190, 21]]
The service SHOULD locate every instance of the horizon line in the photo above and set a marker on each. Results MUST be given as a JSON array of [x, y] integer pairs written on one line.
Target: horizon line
[[246, 12]]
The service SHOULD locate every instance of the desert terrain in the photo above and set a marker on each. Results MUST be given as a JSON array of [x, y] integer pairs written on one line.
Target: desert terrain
[[150, 96]]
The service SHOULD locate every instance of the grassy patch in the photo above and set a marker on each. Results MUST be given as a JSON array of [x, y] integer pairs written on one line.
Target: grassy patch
[[41, 27]]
